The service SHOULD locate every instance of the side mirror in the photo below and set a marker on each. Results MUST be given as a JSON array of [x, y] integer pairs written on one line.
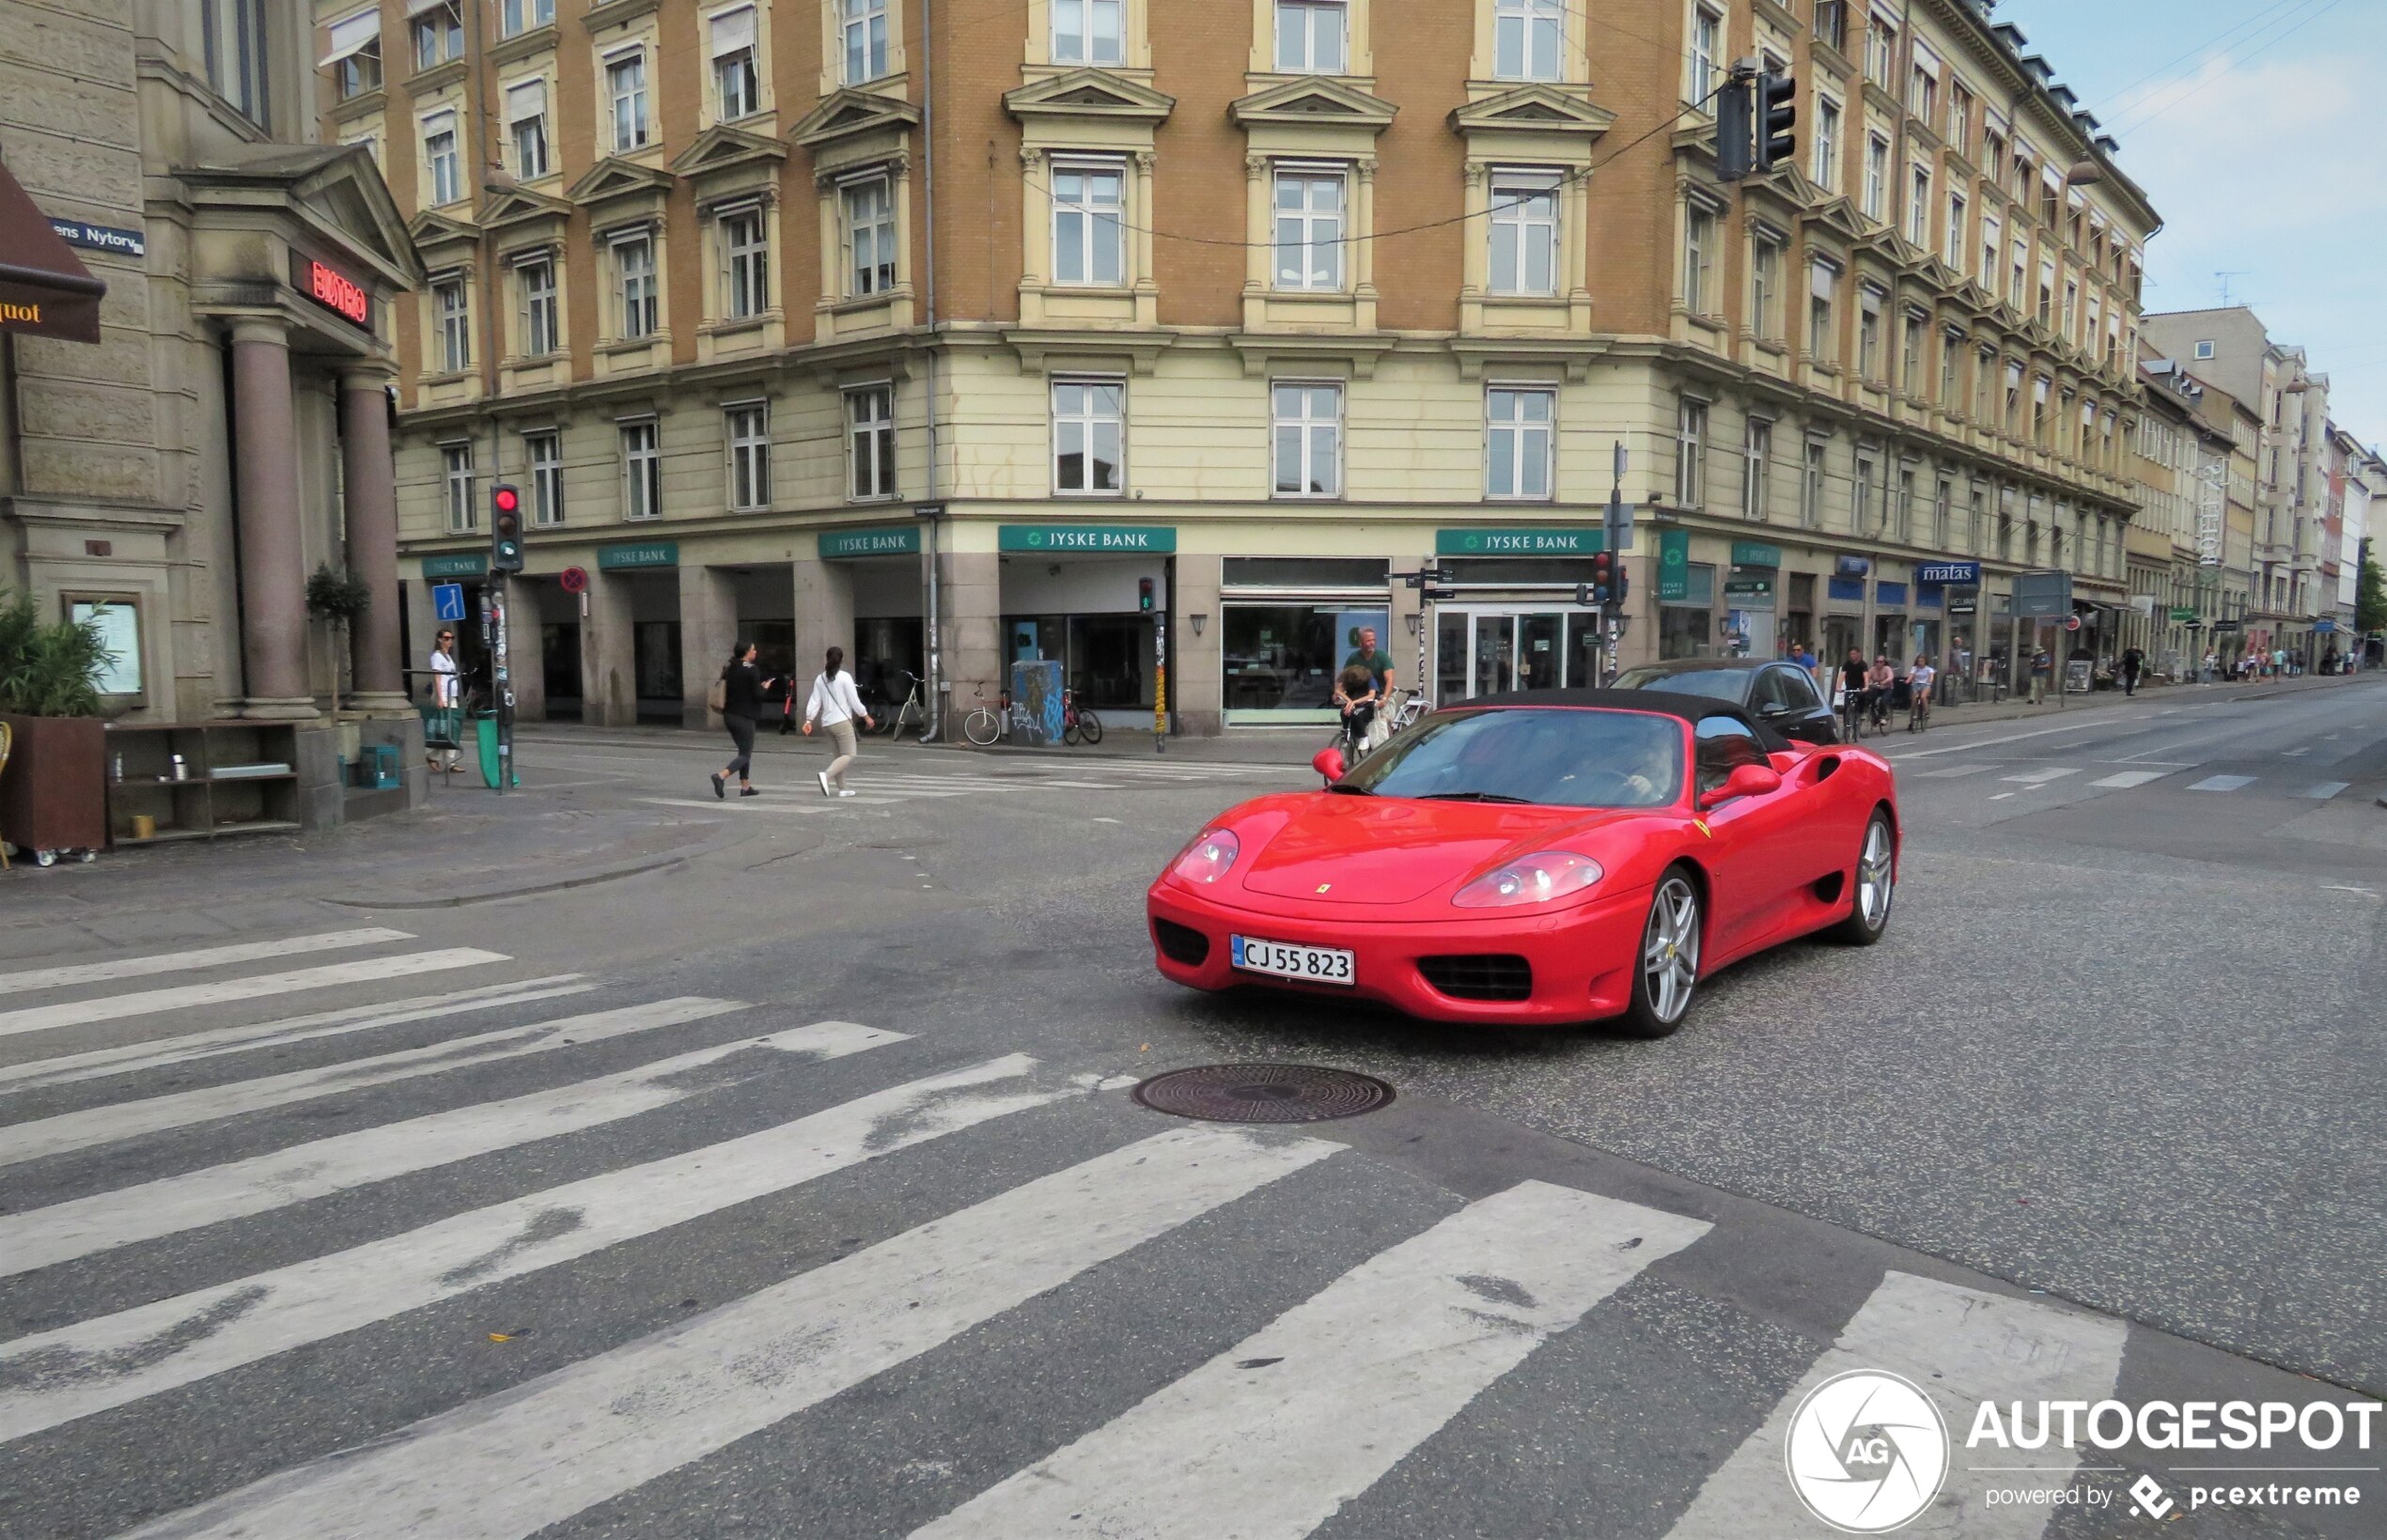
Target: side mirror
[[1746, 781], [1329, 764]]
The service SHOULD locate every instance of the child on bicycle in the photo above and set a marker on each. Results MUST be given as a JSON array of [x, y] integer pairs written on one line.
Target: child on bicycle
[[1920, 680], [1879, 682], [1355, 694]]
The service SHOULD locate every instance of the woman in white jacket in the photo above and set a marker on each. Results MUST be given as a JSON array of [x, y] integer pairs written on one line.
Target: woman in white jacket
[[834, 705]]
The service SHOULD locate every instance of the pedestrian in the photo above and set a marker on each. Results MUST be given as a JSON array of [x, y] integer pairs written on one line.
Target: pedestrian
[[2133, 661], [2212, 667], [2328, 660], [786, 704], [834, 705], [2042, 669], [446, 695], [738, 696]]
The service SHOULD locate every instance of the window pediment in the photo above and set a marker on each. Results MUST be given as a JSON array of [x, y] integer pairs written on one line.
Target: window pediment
[[1089, 93], [849, 113], [1840, 216], [518, 206], [721, 149], [1538, 108], [1311, 102], [614, 180], [434, 233]]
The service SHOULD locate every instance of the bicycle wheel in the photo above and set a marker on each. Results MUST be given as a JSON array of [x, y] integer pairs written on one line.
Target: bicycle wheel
[[1069, 730], [1089, 727], [980, 727]]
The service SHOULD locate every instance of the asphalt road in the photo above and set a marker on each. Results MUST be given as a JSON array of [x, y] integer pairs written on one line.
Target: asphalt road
[[788, 1186]]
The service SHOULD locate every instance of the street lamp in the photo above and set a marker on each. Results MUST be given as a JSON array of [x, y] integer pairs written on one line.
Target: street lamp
[[1198, 621]]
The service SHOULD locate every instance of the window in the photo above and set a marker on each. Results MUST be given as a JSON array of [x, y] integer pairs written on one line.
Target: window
[[1518, 442], [1089, 425], [1699, 257], [1918, 207], [2017, 292], [1906, 507], [642, 472], [737, 83], [1690, 454], [1861, 492], [1960, 119], [1877, 176], [541, 333], [1089, 236], [1869, 331], [1954, 245], [1707, 50], [1725, 745], [355, 58], [1990, 250], [747, 426], [1910, 357], [2072, 309], [870, 443], [1926, 102], [1308, 423], [1827, 144], [1312, 36], [1823, 340], [1526, 38], [865, 27], [626, 88], [439, 35], [455, 325], [1832, 23], [442, 167], [1811, 485], [746, 256], [2013, 400], [1943, 504], [1524, 234], [526, 126], [1977, 521], [2204, 351], [1951, 346], [522, 15], [1309, 229], [2039, 424], [235, 38], [545, 454], [1880, 52], [1757, 470], [636, 293], [1765, 286], [456, 466]]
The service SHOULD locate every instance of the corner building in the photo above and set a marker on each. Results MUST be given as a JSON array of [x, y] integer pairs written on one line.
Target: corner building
[[1238, 310]]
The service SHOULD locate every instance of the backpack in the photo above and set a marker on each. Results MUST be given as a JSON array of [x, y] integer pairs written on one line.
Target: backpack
[[717, 698]]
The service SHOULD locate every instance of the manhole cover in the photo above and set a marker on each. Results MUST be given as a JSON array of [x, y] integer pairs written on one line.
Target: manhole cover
[[1263, 1094]]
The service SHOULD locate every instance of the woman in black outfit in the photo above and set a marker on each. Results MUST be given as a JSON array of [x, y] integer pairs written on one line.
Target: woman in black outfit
[[742, 703]]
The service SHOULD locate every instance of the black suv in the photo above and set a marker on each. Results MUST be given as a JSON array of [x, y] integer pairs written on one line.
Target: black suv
[[1781, 694]]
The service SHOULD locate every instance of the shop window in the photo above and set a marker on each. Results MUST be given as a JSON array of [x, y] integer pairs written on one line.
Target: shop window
[[543, 332], [1089, 239], [1089, 432], [637, 294], [1361, 572], [1524, 233], [1309, 228], [737, 84], [1528, 39], [641, 470], [1089, 31], [544, 453], [1518, 442], [523, 15], [1686, 626], [747, 427], [442, 174], [863, 27], [626, 90], [1307, 421], [870, 437], [439, 35], [455, 470], [526, 126], [1283, 658], [450, 303], [868, 209], [745, 254], [1312, 36]]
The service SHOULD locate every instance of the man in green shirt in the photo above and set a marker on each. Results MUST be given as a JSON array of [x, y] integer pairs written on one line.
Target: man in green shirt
[[1372, 658], [1360, 712]]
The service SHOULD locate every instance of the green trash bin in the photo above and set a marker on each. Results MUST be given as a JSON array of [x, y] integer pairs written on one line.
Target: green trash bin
[[485, 735]]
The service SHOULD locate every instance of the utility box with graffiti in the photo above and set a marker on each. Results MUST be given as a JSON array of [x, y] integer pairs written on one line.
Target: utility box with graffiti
[[1036, 701]]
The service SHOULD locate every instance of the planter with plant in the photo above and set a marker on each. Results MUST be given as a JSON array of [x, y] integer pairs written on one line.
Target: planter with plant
[[53, 790]]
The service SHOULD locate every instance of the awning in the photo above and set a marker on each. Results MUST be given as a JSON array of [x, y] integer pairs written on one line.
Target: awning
[[352, 35], [45, 291]]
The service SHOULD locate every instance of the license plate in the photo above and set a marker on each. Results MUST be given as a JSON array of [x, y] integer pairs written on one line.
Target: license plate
[[1282, 960]]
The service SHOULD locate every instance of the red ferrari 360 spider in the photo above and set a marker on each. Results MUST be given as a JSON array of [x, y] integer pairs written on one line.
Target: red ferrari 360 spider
[[1548, 857]]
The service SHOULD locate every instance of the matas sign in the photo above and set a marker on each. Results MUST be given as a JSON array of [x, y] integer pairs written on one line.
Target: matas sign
[[335, 290]]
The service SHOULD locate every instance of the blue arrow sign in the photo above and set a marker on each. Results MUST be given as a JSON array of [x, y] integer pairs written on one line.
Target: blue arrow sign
[[448, 600]]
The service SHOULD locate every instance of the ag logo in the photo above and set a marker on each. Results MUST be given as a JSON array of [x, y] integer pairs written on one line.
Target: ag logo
[[1866, 1452]]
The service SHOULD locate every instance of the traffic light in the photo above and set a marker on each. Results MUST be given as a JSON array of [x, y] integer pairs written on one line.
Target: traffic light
[[1603, 578], [1143, 593], [1777, 121], [505, 528], [1732, 130]]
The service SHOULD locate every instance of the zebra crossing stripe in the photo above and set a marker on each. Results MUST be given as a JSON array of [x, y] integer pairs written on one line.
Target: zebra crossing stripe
[[515, 1463], [2041, 777], [2323, 791], [2125, 780], [2223, 783], [159, 1052], [93, 1125], [43, 1236], [1267, 1439], [56, 1376], [206, 956], [184, 997], [1963, 1347], [1952, 772]]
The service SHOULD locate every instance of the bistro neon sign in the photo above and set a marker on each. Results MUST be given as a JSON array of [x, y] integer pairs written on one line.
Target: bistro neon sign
[[335, 290]]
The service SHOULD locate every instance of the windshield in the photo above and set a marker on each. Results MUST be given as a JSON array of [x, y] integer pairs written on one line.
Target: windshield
[[1723, 684], [1555, 756]]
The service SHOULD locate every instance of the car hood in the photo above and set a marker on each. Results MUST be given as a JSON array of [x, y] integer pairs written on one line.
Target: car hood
[[1328, 848]]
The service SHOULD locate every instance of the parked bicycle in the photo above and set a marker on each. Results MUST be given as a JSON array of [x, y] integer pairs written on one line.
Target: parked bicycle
[[913, 712], [1078, 723], [987, 724]]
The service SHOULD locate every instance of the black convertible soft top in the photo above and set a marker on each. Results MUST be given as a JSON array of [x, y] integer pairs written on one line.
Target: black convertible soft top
[[1692, 709]]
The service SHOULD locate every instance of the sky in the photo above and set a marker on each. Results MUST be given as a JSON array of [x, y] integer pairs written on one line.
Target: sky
[[2256, 127]]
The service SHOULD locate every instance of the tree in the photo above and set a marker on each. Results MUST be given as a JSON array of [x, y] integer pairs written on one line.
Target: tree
[[338, 598], [49, 670], [2370, 593]]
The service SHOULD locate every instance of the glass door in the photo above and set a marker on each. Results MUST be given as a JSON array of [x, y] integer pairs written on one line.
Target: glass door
[[1541, 652], [1496, 654]]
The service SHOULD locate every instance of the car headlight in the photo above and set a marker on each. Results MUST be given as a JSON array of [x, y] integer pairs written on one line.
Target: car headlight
[[1537, 878], [1207, 858]]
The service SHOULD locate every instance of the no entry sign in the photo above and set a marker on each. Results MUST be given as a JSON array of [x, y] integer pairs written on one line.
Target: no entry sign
[[574, 579]]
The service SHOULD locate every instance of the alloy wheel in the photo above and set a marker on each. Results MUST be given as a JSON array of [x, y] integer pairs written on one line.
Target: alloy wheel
[[1876, 872], [1670, 949]]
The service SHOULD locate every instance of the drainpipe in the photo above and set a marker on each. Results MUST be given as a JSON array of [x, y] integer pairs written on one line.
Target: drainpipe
[[929, 197]]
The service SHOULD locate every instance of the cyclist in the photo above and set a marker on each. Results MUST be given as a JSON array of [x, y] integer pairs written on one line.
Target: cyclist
[[1852, 676], [1879, 682], [1355, 694], [1919, 680]]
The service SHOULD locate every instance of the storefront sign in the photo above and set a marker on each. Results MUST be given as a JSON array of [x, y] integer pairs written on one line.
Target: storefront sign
[[473, 566], [882, 541], [1755, 553], [1586, 541], [1673, 563], [1750, 593], [1088, 539], [335, 290], [1948, 574], [2182, 615], [616, 558], [107, 238], [1853, 566]]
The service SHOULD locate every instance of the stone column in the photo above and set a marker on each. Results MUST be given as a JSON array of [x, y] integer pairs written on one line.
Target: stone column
[[708, 629], [526, 649], [272, 554], [608, 658], [824, 616], [971, 598], [370, 480], [1193, 659]]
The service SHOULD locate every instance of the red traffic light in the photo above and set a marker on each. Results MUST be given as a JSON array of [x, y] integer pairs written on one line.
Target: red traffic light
[[506, 499]]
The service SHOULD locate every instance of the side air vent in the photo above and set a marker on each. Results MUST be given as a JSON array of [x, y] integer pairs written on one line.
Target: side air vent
[[1483, 976], [1181, 944]]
